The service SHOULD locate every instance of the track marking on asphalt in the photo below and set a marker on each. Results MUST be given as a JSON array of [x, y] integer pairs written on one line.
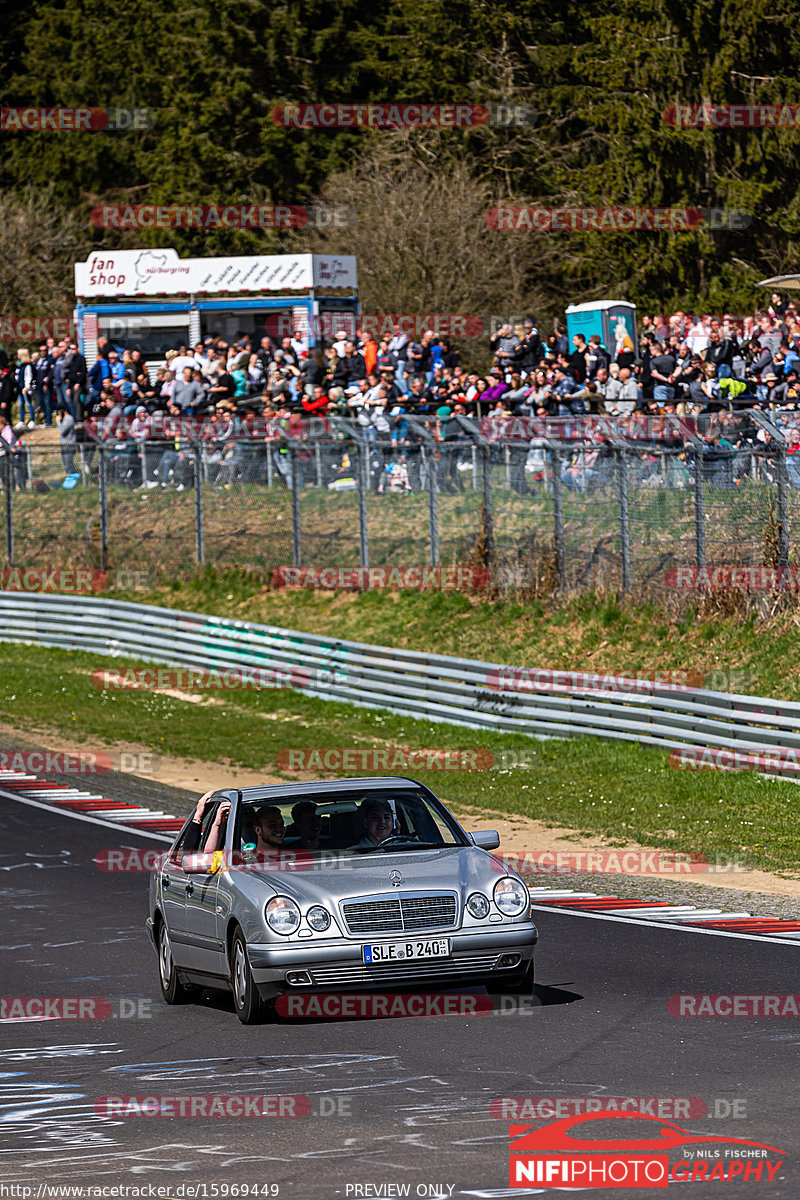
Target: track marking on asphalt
[[675, 923], [77, 816], [749, 937]]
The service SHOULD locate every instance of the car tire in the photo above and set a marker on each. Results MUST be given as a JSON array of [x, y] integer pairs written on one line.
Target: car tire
[[251, 1008], [173, 991]]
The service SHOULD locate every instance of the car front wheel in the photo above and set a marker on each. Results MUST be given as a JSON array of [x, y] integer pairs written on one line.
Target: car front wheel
[[251, 1008], [173, 991]]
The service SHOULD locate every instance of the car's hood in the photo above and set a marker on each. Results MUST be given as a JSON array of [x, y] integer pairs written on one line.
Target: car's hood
[[462, 869]]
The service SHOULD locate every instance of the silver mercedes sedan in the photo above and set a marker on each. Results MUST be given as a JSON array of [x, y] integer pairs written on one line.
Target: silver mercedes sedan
[[337, 885]]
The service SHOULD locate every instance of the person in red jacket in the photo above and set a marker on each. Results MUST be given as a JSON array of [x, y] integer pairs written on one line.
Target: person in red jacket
[[316, 404]]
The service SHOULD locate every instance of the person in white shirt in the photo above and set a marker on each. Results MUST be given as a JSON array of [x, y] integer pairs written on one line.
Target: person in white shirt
[[182, 359], [697, 336]]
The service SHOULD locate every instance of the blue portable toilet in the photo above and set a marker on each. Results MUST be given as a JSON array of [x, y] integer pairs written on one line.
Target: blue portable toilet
[[613, 320]]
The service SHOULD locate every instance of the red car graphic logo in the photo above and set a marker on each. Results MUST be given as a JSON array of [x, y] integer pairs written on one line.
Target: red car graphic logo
[[556, 1136]]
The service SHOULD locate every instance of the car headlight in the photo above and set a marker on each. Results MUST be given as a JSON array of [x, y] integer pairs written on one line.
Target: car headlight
[[318, 918], [283, 915], [477, 905], [511, 896]]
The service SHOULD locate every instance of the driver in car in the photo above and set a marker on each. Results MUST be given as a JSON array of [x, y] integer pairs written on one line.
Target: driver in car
[[378, 821]]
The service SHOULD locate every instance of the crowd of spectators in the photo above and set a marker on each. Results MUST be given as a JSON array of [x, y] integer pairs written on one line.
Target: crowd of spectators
[[685, 365]]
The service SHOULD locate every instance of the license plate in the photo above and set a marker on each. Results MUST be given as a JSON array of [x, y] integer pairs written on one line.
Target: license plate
[[382, 952]]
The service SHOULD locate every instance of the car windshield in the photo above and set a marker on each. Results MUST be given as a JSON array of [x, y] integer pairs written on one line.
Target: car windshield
[[359, 822]]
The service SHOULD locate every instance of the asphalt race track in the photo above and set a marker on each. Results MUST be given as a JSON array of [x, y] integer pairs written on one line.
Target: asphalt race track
[[396, 1103]]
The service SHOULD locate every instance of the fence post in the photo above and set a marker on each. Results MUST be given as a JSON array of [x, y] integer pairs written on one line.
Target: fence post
[[362, 479], [783, 509], [318, 463], [102, 473], [8, 482], [474, 449], [296, 546], [699, 507], [507, 461], [488, 507], [624, 529], [199, 526], [433, 502], [558, 517], [269, 464]]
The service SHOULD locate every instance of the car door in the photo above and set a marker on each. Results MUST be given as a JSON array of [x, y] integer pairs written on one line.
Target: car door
[[204, 930], [172, 888]]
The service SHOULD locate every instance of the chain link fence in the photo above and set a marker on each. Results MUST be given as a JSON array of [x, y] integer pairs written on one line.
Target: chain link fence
[[541, 510]]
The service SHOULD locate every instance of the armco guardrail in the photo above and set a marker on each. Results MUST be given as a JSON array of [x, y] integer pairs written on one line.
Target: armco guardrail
[[433, 687]]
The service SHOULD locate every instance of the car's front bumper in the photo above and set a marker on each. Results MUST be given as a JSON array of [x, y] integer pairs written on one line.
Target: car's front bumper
[[475, 955]]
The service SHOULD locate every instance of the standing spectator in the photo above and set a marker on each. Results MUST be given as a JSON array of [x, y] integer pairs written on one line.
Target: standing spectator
[[44, 384], [76, 380], [398, 349], [67, 438], [662, 366], [596, 357], [505, 346], [577, 360], [25, 386], [180, 360], [530, 350], [60, 382], [187, 393], [369, 348]]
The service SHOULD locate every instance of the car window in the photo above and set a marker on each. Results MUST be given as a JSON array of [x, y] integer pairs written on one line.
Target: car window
[[190, 839], [317, 823]]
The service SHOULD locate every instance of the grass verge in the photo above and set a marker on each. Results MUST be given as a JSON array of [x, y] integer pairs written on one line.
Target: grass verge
[[621, 791]]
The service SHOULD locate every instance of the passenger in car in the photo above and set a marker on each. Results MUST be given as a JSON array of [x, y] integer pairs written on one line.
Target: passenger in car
[[216, 834], [269, 828], [191, 839], [306, 827], [377, 820]]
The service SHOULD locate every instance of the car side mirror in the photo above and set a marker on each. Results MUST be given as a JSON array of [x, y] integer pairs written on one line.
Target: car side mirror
[[487, 839]]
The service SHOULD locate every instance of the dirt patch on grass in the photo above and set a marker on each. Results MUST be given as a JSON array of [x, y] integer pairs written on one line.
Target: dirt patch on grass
[[517, 833]]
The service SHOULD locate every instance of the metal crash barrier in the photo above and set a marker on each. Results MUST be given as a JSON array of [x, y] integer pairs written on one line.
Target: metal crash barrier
[[431, 687]]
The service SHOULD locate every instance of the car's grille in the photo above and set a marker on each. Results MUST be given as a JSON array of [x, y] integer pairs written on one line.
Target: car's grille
[[436, 968], [400, 914]]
